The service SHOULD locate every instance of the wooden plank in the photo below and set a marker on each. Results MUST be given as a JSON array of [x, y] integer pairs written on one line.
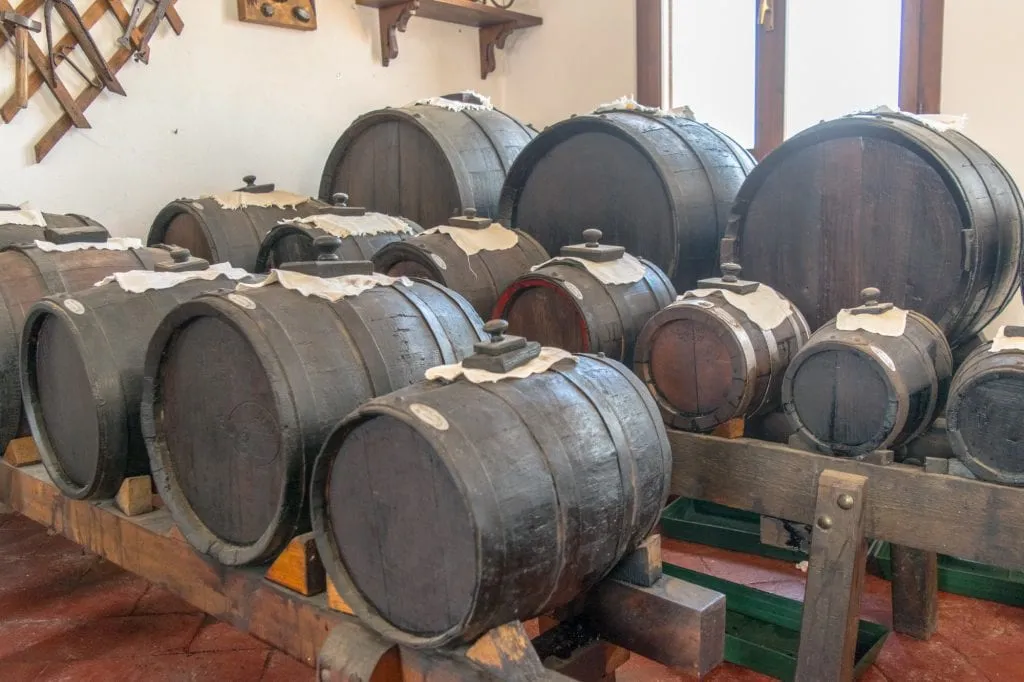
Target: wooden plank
[[143, 545], [650, 64], [769, 78], [835, 580], [464, 12], [915, 591], [908, 506]]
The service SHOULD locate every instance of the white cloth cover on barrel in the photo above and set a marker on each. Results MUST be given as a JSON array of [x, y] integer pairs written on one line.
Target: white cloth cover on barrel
[[473, 241], [140, 281], [232, 201], [626, 103], [892, 322], [625, 270], [456, 106], [937, 122], [354, 226], [763, 306], [114, 244], [26, 215], [1003, 342], [541, 363], [332, 288]]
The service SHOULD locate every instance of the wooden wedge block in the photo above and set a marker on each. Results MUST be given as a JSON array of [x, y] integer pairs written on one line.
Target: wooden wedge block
[[135, 496], [730, 429], [21, 452], [335, 601], [299, 567]]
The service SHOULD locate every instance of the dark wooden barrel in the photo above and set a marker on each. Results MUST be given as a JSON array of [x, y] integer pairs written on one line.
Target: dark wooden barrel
[[661, 186], [565, 304], [218, 234], [882, 200], [445, 509], [853, 391], [82, 358], [985, 412], [481, 276], [362, 235], [59, 229], [426, 162], [28, 274], [720, 352], [242, 388]]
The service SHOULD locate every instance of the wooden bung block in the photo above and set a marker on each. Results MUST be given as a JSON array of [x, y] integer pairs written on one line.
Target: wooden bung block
[[299, 567], [335, 601], [21, 452], [135, 496]]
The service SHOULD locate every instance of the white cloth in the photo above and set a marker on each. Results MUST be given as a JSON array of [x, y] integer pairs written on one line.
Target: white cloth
[[938, 122], [541, 363], [232, 201], [892, 322], [333, 288], [27, 216], [355, 226], [472, 241], [453, 105], [765, 307], [625, 270], [627, 103], [1003, 342], [139, 281], [113, 244]]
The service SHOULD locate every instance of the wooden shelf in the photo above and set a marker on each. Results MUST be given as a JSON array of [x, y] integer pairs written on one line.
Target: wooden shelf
[[495, 24]]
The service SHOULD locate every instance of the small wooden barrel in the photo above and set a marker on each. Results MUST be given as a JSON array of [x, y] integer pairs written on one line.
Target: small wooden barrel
[[362, 235], [985, 413], [242, 388], [428, 160], [445, 509], [720, 352], [872, 379], [82, 356], [474, 256], [660, 186], [28, 274], [594, 299], [882, 200], [229, 227], [24, 226]]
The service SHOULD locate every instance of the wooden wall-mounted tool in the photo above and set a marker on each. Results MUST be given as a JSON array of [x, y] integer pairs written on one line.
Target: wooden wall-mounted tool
[[15, 28], [296, 14]]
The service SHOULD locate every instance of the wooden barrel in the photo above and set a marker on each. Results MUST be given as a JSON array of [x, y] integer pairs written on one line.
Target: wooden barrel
[[27, 274], [446, 509], [985, 413], [24, 226], [720, 352], [882, 200], [242, 388], [594, 299], [229, 227], [872, 379], [82, 357], [661, 186], [362, 234], [474, 256], [427, 161]]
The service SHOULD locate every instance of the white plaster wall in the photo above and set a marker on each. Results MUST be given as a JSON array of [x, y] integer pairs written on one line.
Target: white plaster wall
[[225, 99]]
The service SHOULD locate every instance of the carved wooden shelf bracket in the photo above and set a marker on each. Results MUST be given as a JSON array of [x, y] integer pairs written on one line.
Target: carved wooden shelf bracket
[[491, 38], [392, 20]]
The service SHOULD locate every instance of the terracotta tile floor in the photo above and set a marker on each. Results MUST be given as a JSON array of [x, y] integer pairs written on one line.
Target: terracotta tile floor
[[69, 616]]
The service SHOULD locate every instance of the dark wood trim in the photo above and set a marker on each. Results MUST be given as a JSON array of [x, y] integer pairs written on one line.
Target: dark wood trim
[[650, 66], [921, 56], [770, 78]]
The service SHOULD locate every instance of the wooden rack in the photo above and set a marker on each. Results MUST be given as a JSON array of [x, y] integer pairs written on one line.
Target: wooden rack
[[495, 24], [62, 48]]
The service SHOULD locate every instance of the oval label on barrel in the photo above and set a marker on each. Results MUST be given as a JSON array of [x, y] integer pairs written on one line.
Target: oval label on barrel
[[573, 289], [74, 306], [242, 301], [438, 261], [429, 416]]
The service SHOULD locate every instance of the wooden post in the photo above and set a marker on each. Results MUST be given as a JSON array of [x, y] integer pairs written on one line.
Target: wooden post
[[915, 591], [835, 578]]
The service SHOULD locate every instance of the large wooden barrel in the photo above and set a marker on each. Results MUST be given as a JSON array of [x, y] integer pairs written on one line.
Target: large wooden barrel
[[27, 274], [446, 509], [82, 357], [475, 256], [427, 161], [242, 388], [229, 227], [661, 186], [882, 200], [720, 352], [23, 226], [362, 234], [872, 379], [595, 298], [985, 413]]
